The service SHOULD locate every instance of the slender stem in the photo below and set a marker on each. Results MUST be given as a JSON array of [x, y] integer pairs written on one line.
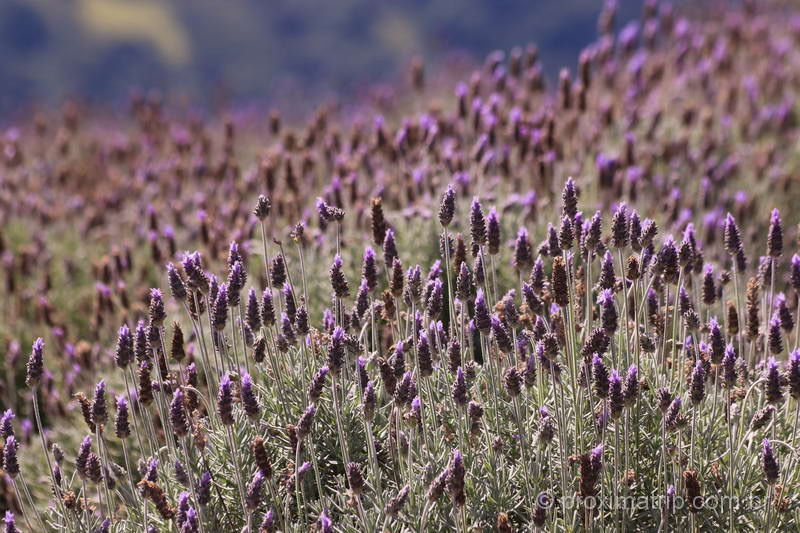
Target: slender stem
[[732, 460], [30, 503], [134, 417], [130, 478], [190, 474], [797, 327], [317, 478], [524, 452], [768, 510], [244, 338], [85, 502], [56, 488], [297, 489], [338, 416], [232, 445], [373, 457], [451, 308], [105, 462], [161, 398]]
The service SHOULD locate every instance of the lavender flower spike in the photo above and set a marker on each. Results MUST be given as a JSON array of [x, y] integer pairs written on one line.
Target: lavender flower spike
[[600, 377], [772, 470], [338, 280], [477, 223], [10, 524], [493, 232], [176, 285], [157, 312], [35, 367], [123, 356], [447, 208], [698, 383], [773, 382], [249, 398], [123, 429], [6, 426], [225, 400], [99, 409], [775, 235], [253, 496], [10, 463], [325, 524], [177, 414]]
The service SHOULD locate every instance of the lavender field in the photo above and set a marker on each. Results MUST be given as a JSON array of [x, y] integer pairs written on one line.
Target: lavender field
[[478, 301]]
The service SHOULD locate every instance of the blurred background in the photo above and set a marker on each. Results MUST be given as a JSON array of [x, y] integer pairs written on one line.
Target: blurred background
[[214, 52]]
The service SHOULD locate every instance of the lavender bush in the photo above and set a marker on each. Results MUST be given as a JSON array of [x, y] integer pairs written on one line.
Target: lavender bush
[[508, 307]]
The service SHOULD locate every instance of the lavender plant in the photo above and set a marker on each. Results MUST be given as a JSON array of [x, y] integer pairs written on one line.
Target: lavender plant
[[508, 308]]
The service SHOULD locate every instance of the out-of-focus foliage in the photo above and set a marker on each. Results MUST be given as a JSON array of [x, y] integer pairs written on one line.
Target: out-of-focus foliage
[[99, 49]]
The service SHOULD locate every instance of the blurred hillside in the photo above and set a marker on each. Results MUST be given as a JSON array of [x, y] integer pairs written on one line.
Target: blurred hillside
[[252, 50]]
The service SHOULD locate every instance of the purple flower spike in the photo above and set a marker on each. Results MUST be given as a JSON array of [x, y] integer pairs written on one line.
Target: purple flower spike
[[477, 223], [406, 390], [324, 210], [523, 253], [317, 384], [267, 308], [306, 422], [9, 522], [268, 523], [237, 279], [338, 280], [772, 470], [123, 429], [600, 377], [698, 383], [775, 235], [83, 456], [389, 247], [460, 390], [773, 382], [99, 409], [569, 199], [483, 321], [597, 454], [369, 269], [35, 367], [157, 312], [175, 282], [793, 374], [435, 300], [249, 398], [732, 236], [616, 399], [630, 390], [6, 425], [619, 227], [262, 209], [177, 414], [225, 400], [493, 232], [10, 462], [204, 489], [456, 472], [325, 524], [774, 335], [609, 317], [219, 310], [253, 496], [447, 208], [123, 356], [795, 274], [336, 351]]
